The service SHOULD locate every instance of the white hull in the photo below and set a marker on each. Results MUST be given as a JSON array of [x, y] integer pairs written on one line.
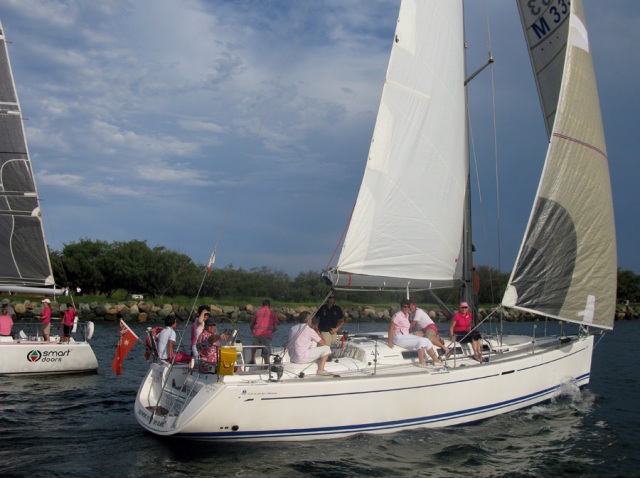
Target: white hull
[[399, 396], [28, 357]]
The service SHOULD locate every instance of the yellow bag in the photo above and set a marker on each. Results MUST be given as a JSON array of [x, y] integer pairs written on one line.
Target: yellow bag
[[227, 361]]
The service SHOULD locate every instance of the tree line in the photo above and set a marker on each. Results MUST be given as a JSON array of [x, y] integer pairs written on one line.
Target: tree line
[[101, 268]]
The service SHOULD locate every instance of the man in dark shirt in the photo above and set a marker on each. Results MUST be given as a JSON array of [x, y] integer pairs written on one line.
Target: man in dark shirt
[[330, 321]]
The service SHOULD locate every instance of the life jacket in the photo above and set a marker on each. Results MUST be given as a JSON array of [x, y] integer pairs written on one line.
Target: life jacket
[[151, 342]]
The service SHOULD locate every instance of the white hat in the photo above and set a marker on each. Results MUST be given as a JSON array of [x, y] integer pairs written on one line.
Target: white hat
[[46, 301]]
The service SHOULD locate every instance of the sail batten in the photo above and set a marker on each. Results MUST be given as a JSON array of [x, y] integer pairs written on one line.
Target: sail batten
[[24, 259], [567, 264]]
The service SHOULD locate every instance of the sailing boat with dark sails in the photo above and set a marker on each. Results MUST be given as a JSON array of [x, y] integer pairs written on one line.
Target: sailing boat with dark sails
[[417, 172], [24, 259]]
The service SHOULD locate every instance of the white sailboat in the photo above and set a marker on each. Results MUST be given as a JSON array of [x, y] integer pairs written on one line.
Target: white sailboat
[[24, 260], [418, 172]]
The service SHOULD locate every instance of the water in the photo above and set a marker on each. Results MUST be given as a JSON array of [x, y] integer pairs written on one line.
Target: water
[[83, 425]]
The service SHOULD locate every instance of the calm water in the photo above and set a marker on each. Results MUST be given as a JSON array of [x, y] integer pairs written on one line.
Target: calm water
[[84, 426]]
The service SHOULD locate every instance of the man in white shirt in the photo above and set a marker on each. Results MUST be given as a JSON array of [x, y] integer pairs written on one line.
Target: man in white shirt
[[167, 339], [302, 344]]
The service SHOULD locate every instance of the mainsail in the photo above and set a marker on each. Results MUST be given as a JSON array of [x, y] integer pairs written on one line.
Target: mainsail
[[24, 260], [406, 229], [567, 265]]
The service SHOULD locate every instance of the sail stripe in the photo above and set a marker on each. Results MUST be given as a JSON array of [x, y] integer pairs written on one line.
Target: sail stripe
[[582, 143], [567, 264]]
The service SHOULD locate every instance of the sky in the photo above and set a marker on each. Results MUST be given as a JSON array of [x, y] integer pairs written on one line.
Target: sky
[[244, 125]]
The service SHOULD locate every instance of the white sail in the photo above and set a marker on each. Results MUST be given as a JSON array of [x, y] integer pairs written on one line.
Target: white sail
[[407, 225], [567, 265], [24, 259], [407, 231]]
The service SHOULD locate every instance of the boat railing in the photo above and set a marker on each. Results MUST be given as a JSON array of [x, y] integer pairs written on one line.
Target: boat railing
[[31, 331]]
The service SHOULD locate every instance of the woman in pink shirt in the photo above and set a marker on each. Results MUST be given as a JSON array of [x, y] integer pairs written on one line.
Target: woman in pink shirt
[[400, 334], [6, 322], [67, 322], [460, 331], [46, 319]]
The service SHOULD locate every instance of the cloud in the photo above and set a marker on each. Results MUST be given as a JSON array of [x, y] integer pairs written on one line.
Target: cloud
[[260, 114]]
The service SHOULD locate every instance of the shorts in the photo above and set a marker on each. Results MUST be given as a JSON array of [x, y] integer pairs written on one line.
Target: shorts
[[463, 338], [430, 333], [46, 329], [266, 345], [66, 330], [329, 338]]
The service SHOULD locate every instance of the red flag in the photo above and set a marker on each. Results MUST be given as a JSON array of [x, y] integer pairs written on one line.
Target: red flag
[[127, 340]]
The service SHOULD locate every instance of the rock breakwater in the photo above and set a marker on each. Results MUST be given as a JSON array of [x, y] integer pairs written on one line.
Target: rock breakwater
[[147, 311]]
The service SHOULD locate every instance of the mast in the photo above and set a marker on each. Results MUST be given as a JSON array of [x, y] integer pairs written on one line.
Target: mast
[[467, 239]]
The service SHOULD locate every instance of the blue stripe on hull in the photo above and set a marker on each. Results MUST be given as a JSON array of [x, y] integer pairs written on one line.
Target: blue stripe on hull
[[519, 402]]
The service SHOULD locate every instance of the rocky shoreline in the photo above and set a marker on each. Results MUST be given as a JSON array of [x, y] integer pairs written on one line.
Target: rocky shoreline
[[147, 311]]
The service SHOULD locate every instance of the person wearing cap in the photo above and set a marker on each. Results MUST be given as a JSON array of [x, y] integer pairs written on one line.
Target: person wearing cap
[[460, 331], [10, 310], [204, 312], [208, 343], [263, 326], [68, 319], [331, 320], [306, 346], [400, 334], [45, 317]]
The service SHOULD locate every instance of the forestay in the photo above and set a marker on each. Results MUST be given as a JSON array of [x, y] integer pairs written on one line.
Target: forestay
[[567, 264]]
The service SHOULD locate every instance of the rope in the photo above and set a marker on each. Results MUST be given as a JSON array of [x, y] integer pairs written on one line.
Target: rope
[[344, 233]]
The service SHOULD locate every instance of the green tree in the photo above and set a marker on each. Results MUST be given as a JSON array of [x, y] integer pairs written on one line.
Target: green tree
[[173, 274], [80, 264], [126, 265], [628, 286]]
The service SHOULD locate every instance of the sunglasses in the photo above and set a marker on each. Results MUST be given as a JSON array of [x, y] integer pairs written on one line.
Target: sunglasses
[[332, 297]]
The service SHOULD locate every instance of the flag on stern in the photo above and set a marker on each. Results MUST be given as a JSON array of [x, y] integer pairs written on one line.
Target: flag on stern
[[127, 340]]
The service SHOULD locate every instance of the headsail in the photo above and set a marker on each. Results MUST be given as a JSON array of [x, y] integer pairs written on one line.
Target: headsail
[[567, 265], [24, 260], [407, 225]]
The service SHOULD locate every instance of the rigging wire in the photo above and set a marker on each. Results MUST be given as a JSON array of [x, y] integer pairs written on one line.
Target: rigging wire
[[495, 142], [55, 241], [248, 158], [495, 157], [475, 158]]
